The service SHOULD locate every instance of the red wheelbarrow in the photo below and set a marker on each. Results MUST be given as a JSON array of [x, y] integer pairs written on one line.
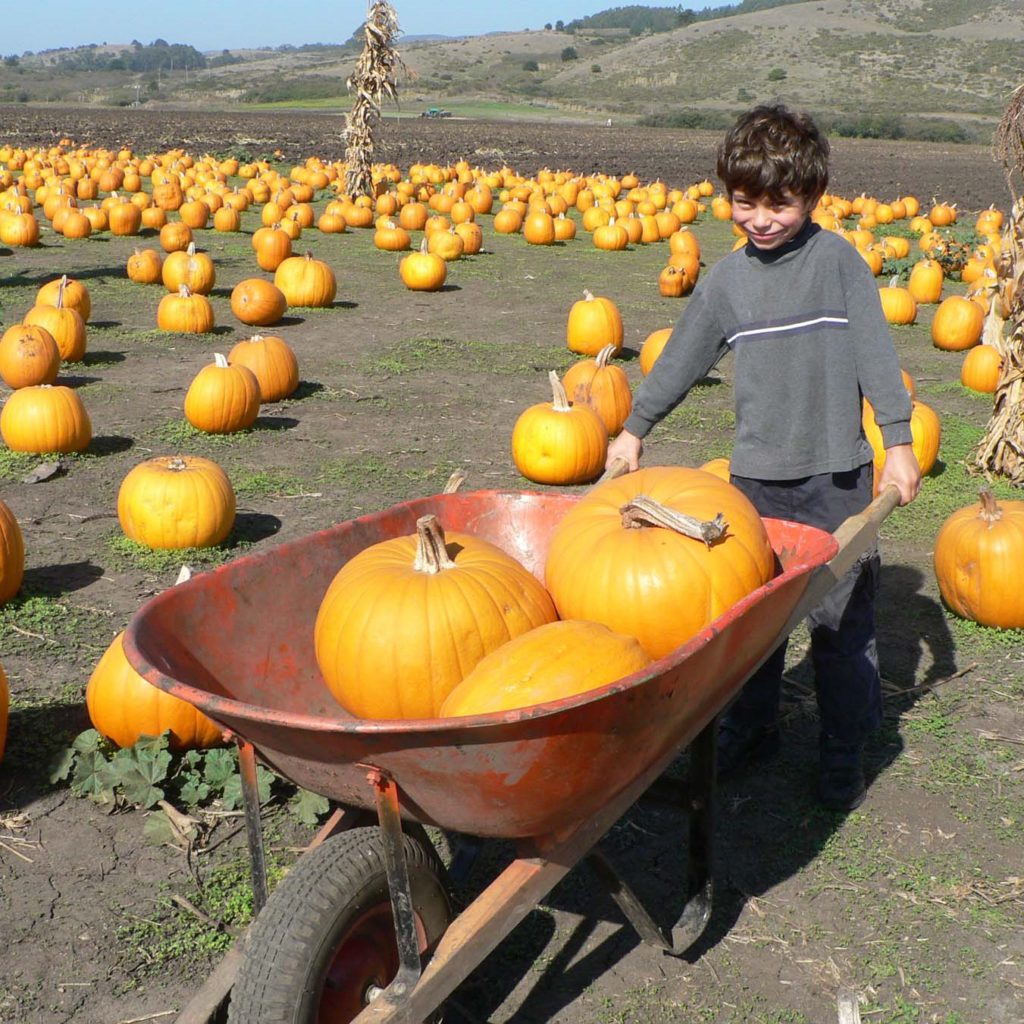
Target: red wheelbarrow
[[361, 928]]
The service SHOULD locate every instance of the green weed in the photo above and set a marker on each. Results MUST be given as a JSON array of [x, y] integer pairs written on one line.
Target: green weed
[[266, 483], [129, 553]]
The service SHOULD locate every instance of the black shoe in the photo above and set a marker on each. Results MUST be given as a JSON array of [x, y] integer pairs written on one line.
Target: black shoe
[[841, 785], [741, 746]]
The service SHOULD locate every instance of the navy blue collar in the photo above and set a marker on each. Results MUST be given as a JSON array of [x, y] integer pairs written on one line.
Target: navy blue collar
[[807, 231]]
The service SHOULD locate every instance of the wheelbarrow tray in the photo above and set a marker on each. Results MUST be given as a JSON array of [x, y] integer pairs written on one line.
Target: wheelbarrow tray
[[237, 642]]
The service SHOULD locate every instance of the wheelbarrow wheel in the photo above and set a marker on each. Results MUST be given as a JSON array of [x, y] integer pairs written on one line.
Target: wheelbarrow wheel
[[325, 941]]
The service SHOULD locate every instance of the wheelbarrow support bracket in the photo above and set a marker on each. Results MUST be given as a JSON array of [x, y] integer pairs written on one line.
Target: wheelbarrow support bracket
[[700, 888], [397, 870]]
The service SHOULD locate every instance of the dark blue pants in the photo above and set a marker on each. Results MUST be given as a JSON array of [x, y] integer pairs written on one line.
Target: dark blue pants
[[842, 627]]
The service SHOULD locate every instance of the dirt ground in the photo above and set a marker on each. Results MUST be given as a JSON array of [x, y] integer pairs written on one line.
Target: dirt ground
[[914, 903]]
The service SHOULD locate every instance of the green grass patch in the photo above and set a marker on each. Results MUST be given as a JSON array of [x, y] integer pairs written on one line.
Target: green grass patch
[[128, 553], [412, 354], [266, 483], [181, 434], [32, 621]]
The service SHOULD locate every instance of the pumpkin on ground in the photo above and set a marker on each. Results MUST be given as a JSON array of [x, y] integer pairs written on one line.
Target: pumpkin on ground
[[64, 324], [559, 443], [898, 304], [12, 554], [306, 281], [45, 418], [652, 347], [603, 386], [67, 292], [551, 662], [258, 302], [925, 430], [957, 324], [223, 398], [406, 619], [191, 268], [185, 313], [273, 362], [978, 555], [124, 707], [719, 467], [176, 501], [979, 371], [608, 562], [28, 356], [423, 271], [594, 322], [145, 266]]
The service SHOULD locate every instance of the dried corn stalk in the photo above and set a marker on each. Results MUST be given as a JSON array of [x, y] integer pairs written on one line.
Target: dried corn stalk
[[372, 81], [1001, 452]]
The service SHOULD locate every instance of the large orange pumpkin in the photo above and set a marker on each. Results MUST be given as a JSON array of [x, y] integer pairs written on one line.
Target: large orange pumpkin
[[603, 386], [124, 707], [558, 443], [45, 418], [12, 554], [28, 356], [258, 302], [978, 555], [176, 501], [223, 398], [551, 662], [594, 322], [306, 281], [957, 324], [406, 619], [273, 362], [981, 368], [925, 430], [650, 581]]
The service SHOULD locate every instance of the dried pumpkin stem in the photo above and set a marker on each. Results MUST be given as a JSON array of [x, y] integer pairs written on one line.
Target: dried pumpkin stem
[[990, 510], [431, 549], [560, 400], [644, 511]]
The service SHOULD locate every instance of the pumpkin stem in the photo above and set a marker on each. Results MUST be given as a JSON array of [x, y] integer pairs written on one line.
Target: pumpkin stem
[[220, 360], [604, 355], [990, 510], [431, 550], [177, 464], [560, 401], [60, 291], [644, 511], [588, 295], [455, 481]]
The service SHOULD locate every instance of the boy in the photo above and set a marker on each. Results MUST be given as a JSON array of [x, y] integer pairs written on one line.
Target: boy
[[800, 311]]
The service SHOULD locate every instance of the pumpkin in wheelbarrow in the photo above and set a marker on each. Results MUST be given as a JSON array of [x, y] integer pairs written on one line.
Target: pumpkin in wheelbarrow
[[625, 557], [406, 619], [551, 662]]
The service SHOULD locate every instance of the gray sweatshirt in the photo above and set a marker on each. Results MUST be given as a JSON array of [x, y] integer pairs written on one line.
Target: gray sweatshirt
[[806, 327]]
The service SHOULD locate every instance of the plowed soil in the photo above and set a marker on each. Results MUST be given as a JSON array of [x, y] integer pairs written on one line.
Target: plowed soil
[[914, 903]]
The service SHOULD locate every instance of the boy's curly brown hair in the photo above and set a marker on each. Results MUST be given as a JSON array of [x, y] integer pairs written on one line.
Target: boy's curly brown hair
[[771, 151]]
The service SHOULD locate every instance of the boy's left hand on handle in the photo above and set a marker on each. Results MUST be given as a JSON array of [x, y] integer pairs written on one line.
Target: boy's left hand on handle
[[902, 471], [627, 447]]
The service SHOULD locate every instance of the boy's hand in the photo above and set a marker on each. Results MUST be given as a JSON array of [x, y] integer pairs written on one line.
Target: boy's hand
[[902, 470], [627, 447]]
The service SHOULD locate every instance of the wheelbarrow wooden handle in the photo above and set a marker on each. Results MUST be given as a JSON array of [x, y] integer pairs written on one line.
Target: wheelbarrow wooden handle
[[620, 467], [854, 536]]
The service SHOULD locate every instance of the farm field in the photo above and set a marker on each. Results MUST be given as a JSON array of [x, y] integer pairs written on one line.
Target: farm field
[[915, 901]]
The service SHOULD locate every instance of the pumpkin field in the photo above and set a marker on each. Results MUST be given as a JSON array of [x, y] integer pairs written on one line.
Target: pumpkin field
[[121, 885]]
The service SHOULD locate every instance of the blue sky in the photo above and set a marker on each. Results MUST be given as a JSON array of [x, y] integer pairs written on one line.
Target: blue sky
[[224, 24]]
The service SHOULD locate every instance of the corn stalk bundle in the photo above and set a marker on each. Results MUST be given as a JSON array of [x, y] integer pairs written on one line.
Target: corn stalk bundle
[[1001, 452], [372, 81]]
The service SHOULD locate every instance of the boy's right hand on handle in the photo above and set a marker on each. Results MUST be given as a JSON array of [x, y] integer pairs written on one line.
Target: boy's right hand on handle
[[627, 447]]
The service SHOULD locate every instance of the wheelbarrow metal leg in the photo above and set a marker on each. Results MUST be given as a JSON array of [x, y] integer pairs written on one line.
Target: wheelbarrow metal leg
[[253, 825], [410, 968], [699, 887], [700, 878]]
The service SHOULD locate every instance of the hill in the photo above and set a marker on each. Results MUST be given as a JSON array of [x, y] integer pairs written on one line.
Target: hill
[[940, 69]]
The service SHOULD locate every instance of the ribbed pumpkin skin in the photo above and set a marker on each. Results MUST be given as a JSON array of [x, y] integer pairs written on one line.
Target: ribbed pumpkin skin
[[651, 583], [978, 564], [65, 326], [164, 507], [594, 322], [392, 642], [45, 418], [28, 356], [273, 362], [223, 399], [606, 388], [550, 662], [980, 369], [124, 707], [925, 432], [305, 281], [550, 446], [12, 554]]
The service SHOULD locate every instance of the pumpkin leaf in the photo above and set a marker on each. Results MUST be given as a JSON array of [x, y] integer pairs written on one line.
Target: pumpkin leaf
[[138, 771], [308, 807], [231, 798], [158, 830], [61, 767], [94, 778], [219, 767], [87, 742], [194, 791]]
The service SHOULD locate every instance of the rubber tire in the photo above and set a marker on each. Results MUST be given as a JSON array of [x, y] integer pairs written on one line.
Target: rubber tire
[[293, 940]]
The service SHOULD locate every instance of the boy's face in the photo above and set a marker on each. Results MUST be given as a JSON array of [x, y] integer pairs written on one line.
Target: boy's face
[[769, 223]]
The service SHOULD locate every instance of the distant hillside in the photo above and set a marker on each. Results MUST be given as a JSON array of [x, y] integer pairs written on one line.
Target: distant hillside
[[940, 69]]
